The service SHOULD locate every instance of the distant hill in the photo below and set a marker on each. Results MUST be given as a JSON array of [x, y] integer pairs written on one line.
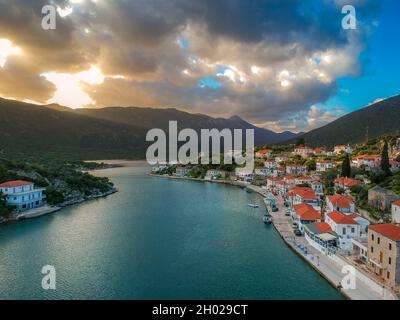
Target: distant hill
[[31, 129], [379, 119], [108, 133], [158, 118]]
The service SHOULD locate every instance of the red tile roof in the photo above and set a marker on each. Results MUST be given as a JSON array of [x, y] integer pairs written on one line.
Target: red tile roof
[[16, 183], [306, 212], [323, 227], [369, 157], [304, 192], [341, 218], [340, 201], [390, 231], [396, 203], [264, 151], [347, 182]]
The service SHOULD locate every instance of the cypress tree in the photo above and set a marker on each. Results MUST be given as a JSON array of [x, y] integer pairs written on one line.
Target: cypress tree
[[385, 165], [346, 168]]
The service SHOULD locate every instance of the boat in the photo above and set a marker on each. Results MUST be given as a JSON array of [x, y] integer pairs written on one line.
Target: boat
[[253, 205], [267, 219], [249, 190]]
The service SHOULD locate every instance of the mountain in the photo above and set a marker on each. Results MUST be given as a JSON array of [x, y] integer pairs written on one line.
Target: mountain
[[158, 118], [34, 130], [375, 120], [108, 133]]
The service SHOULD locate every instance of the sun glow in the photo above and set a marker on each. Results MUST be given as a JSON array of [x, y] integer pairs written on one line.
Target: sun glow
[[69, 92], [7, 49]]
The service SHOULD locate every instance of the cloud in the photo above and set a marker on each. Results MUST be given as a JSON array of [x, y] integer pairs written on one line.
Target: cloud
[[273, 59]]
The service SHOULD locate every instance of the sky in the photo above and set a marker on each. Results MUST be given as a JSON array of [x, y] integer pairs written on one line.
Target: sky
[[280, 64]]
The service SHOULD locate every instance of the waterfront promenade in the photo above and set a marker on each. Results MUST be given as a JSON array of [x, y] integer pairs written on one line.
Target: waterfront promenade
[[325, 265], [328, 267]]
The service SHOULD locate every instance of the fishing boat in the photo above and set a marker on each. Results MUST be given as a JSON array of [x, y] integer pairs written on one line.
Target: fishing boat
[[267, 219], [251, 205]]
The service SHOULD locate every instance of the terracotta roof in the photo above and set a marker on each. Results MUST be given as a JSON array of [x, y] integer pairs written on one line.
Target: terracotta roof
[[396, 203], [323, 227], [369, 157], [15, 183], [264, 151], [390, 231], [340, 201], [304, 192], [347, 182], [306, 212], [275, 179], [341, 218]]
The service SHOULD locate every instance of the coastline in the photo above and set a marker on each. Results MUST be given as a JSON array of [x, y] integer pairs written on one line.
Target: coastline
[[326, 267], [45, 210]]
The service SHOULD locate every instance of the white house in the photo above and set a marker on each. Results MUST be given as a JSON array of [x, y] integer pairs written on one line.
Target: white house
[[245, 174], [279, 172], [305, 214], [263, 171], [273, 182], [345, 227], [346, 183], [321, 236], [295, 169], [303, 151], [303, 180], [323, 165], [22, 194], [396, 212], [264, 154], [280, 159], [394, 165], [182, 171], [271, 164], [344, 148], [370, 161], [318, 187], [340, 203], [303, 195]]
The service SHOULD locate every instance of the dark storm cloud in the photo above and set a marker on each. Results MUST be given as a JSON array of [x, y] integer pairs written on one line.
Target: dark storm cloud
[[137, 39]]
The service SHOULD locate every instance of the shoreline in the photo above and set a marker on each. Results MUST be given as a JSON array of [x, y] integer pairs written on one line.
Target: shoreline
[[46, 209], [357, 294]]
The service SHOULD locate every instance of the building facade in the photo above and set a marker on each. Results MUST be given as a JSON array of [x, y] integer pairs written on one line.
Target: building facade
[[383, 252], [23, 195]]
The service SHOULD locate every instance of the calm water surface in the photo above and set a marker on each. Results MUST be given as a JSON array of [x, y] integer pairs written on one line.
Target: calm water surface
[[156, 239]]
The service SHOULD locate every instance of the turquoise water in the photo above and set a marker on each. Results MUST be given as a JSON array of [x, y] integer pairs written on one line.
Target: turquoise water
[[156, 239]]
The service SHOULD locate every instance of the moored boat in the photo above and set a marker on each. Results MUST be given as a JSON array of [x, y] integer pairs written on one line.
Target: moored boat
[[267, 219], [253, 205]]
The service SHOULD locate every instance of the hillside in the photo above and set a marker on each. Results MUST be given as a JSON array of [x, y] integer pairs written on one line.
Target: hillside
[[380, 118], [108, 133], [34, 130], [158, 118]]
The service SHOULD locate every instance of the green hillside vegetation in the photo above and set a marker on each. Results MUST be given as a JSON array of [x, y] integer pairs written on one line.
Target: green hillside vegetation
[[63, 181], [381, 118]]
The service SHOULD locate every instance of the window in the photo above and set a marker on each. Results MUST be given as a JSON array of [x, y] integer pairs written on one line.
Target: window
[[372, 249], [390, 260], [372, 237], [353, 230], [390, 246], [381, 257], [388, 275], [344, 231], [379, 240]]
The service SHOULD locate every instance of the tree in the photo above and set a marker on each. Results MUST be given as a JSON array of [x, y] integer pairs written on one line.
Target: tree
[[346, 168], [311, 165], [385, 165], [3, 205]]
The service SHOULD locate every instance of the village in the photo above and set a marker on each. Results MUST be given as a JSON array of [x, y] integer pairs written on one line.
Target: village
[[326, 206]]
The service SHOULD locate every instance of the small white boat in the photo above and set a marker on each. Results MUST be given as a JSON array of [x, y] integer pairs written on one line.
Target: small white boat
[[267, 219], [253, 205]]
